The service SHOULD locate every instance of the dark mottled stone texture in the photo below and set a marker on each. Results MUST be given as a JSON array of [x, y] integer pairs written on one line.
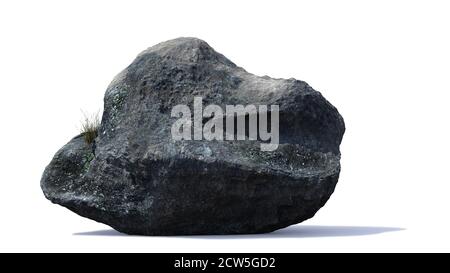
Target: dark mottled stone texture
[[139, 181]]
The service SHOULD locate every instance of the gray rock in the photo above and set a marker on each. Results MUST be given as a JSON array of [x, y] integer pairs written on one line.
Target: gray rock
[[138, 180]]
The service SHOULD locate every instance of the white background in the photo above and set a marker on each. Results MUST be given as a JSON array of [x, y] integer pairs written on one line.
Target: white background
[[384, 64]]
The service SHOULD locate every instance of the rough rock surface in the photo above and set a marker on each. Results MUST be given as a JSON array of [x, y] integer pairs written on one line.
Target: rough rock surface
[[136, 179]]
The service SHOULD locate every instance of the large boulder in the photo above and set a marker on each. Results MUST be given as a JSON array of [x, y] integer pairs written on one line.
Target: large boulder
[[136, 178]]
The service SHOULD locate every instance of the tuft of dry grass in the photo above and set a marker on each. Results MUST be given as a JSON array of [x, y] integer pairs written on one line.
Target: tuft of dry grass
[[90, 126]]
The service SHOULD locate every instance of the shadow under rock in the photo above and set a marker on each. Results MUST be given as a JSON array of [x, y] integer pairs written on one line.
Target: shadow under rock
[[295, 231]]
